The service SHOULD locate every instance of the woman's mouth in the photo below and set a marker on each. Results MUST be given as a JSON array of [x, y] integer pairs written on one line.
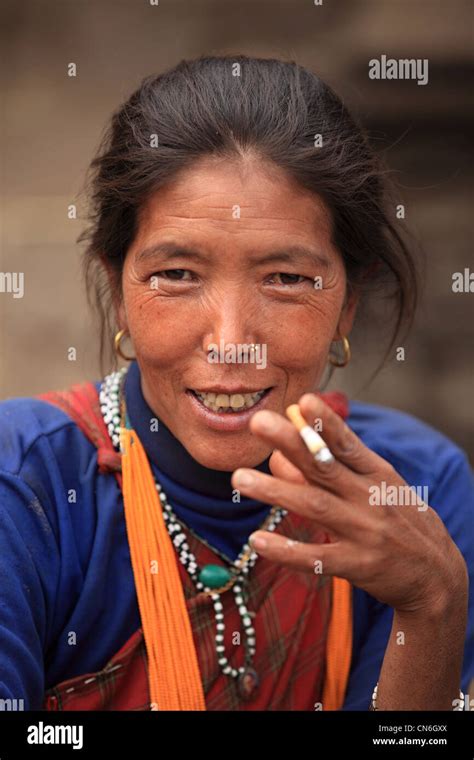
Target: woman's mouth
[[225, 402], [227, 411]]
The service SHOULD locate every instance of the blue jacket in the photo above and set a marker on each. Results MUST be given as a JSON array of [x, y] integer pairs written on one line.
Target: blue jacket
[[64, 558]]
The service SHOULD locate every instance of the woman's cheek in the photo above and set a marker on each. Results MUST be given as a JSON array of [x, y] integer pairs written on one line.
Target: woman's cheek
[[297, 335], [163, 329], [301, 337]]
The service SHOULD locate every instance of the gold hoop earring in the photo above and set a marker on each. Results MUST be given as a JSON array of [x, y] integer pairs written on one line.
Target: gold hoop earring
[[118, 347], [335, 361]]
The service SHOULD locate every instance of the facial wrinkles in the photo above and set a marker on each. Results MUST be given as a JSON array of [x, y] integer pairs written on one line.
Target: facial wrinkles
[[234, 312], [231, 300]]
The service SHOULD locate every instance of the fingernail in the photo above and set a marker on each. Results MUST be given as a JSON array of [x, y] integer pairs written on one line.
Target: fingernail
[[257, 542], [243, 478]]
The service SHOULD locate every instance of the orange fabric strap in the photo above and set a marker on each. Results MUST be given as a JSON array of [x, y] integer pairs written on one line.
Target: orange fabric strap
[[173, 669], [338, 645]]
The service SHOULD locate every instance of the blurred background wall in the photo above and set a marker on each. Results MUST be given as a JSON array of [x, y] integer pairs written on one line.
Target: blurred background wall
[[52, 125]]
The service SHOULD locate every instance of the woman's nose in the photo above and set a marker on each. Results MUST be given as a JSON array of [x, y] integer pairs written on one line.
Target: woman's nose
[[230, 323]]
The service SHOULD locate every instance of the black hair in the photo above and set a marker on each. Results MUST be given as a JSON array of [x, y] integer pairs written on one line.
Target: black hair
[[228, 106]]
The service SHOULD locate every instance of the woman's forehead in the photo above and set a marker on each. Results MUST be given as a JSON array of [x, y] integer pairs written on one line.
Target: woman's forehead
[[219, 186], [216, 201]]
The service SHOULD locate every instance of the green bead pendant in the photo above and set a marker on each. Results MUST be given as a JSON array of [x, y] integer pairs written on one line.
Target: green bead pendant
[[214, 576]]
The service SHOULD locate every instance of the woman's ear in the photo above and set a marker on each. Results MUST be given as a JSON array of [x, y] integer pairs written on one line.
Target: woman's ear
[[347, 316], [121, 315], [118, 305]]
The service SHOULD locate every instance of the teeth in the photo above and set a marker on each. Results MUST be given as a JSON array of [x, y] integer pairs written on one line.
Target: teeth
[[226, 403], [237, 401]]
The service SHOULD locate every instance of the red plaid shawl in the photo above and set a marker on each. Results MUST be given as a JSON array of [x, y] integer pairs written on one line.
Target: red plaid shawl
[[291, 613]]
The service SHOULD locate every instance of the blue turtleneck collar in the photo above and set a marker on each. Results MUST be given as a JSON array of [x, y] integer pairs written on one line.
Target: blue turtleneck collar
[[201, 497]]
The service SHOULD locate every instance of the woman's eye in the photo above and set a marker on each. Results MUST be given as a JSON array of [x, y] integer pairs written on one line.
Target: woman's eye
[[285, 278], [179, 275]]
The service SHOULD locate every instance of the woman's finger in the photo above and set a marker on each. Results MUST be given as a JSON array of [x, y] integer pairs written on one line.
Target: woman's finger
[[282, 468], [304, 499], [345, 445], [282, 434], [321, 559]]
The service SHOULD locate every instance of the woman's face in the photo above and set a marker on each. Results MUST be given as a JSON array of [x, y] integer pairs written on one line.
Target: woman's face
[[228, 255]]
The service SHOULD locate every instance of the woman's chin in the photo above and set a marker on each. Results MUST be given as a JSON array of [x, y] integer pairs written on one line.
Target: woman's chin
[[228, 456], [221, 440]]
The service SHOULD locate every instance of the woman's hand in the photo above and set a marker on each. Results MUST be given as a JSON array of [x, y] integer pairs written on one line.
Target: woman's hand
[[401, 555]]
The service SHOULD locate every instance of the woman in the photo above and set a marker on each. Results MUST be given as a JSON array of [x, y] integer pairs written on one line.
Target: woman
[[168, 540]]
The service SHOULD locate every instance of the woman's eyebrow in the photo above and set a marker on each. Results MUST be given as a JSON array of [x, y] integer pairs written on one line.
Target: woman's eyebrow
[[168, 251], [292, 254]]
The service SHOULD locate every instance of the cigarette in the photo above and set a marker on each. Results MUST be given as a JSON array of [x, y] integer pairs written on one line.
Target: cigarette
[[314, 443]]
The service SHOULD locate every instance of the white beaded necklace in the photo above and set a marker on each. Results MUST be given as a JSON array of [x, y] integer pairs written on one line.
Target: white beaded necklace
[[204, 579]]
